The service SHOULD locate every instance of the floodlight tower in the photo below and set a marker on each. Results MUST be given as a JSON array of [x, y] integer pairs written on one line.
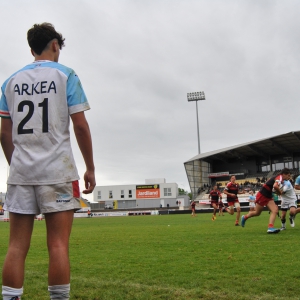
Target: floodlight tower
[[196, 97]]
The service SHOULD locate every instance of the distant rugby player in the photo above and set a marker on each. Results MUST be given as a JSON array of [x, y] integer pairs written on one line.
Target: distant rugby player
[[288, 202], [264, 198], [193, 205], [297, 187], [214, 197], [232, 189]]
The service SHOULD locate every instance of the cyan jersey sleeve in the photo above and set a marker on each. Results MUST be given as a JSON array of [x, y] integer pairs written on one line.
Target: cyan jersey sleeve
[[288, 184], [76, 97], [297, 182], [4, 113]]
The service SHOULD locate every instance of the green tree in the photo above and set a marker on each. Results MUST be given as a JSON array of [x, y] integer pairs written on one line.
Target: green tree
[[182, 191]]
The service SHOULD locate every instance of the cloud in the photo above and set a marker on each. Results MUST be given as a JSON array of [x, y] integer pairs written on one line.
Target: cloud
[[137, 60]]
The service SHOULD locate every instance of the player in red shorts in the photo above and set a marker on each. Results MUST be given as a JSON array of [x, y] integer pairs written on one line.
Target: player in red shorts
[[232, 189], [193, 205], [214, 197], [264, 198]]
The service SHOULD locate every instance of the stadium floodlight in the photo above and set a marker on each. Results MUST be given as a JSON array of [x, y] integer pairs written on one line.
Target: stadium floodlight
[[196, 96]]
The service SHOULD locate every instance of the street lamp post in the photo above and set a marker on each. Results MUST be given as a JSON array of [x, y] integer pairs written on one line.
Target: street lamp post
[[196, 97]]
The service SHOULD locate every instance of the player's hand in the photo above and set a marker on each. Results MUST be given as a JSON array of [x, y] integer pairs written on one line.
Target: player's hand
[[89, 182]]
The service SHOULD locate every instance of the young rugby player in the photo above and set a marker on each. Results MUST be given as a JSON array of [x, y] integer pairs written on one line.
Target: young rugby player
[[232, 189], [36, 105], [288, 202], [264, 198], [214, 197]]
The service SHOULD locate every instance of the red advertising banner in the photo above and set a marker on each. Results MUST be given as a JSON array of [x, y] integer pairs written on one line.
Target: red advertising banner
[[147, 191]]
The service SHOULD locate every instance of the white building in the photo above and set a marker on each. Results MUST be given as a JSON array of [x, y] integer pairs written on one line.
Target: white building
[[2, 197], [154, 193]]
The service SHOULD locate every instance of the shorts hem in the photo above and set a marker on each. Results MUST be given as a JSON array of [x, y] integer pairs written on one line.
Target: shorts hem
[[17, 211], [22, 212], [287, 208], [49, 211]]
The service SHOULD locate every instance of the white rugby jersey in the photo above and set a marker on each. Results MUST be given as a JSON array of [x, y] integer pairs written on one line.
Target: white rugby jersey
[[288, 192], [39, 99]]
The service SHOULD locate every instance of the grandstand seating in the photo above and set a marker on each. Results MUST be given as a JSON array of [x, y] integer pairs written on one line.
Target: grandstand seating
[[251, 179]]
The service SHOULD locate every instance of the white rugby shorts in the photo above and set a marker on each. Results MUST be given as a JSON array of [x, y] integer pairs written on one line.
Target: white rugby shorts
[[287, 204], [42, 199]]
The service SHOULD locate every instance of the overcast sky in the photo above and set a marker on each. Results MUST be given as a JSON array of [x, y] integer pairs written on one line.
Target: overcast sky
[[137, 60]]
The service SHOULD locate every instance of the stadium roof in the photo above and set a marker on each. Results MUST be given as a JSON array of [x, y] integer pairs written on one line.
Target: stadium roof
[[284, 144]]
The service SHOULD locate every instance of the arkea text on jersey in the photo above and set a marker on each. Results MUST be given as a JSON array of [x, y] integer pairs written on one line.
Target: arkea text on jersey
[[42, 87]]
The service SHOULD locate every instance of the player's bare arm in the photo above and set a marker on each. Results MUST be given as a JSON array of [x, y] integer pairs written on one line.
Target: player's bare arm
[[277, 189], [84, 140], [6, 138]]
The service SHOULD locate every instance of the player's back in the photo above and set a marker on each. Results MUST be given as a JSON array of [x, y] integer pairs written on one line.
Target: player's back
[[39, 99]]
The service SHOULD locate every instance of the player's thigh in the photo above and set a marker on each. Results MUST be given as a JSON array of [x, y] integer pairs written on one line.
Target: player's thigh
[[230, 208], [237, 205], [214, 205], [292, 210], [59, 226], [258, 209], [21, 227], [272, 206]]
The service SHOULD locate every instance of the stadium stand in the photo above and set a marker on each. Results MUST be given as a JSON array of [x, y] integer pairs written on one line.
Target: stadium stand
[[252, 163]]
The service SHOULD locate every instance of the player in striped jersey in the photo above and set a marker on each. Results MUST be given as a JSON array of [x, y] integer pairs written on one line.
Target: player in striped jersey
[[264, 198], [232, 189], [214, 197]]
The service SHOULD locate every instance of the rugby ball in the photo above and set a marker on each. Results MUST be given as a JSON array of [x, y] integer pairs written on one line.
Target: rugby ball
[[281, 187]]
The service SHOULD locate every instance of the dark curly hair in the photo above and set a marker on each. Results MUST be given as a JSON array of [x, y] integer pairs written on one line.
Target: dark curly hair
[[40, 35], [285, 171]]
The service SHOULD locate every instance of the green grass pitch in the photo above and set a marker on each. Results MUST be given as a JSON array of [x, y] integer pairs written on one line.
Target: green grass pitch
[[170, 257]]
